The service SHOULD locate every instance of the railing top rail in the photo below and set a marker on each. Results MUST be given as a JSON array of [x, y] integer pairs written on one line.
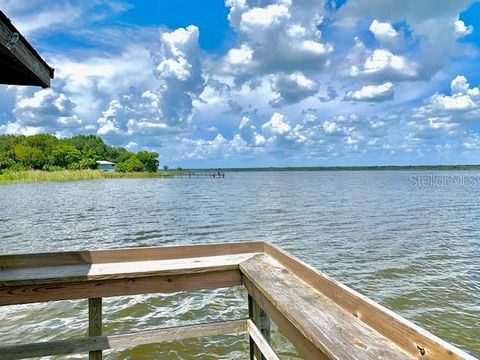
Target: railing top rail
[[118, 255]]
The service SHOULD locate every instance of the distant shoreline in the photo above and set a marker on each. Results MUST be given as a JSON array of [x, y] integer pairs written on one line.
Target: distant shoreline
[[349, 168]]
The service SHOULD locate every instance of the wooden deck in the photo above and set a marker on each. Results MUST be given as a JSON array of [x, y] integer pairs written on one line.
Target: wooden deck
[[321, 317]]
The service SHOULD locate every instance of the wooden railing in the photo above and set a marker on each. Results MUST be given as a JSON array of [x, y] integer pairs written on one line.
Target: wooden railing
[[322, 318]]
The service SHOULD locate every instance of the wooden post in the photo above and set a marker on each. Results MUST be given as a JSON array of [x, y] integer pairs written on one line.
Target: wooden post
[[95, 324], [262, 321]]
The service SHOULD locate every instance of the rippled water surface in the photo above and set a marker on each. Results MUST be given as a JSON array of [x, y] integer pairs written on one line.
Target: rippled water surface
[[414, 249]]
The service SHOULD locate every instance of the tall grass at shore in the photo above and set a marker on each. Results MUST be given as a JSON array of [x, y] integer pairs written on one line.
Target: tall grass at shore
[[72, 175]]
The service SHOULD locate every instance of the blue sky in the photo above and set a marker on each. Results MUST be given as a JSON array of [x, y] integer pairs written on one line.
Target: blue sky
[[257, 82]]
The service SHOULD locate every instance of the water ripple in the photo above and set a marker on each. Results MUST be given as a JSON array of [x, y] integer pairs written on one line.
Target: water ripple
[[415, 250]]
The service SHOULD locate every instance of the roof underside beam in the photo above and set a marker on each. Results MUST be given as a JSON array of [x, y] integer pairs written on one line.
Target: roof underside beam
[[20, 64]]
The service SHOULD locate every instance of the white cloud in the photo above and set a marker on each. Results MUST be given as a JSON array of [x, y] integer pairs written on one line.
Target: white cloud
[[382, 64], [374, 93], [461, 29], [430, 23], [279, 131], [169, 107], [446, 114], [459, 85], [256, 20], [292, 88], [281, 37], [45, 110], [179, 70], [91, 81], [248, 132], [277, 125], [35, 17], [383, 31], [462, 104]]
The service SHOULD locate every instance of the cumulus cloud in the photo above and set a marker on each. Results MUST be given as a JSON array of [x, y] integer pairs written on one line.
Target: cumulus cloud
[[134, 114], [373, 93], [382, 64], [248, 132], [461, 29], [445, 114], [281, 37], [431, 24], [279, 132], [38, 16], [343, 134], [169, 107], [292, 88], [462, 105], [180, 73], [384, 32], [316, 138], [91, 81], [45, 110]]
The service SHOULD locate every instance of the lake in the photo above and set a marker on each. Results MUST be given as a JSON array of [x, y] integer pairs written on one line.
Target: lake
[[408, 240]]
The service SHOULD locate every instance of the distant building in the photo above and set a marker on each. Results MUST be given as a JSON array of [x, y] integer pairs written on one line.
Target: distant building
[[105, 165]]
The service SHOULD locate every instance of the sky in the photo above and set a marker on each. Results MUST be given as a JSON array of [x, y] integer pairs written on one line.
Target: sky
[[247, 83]]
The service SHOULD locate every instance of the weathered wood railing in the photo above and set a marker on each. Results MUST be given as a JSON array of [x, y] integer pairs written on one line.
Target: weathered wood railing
[[322, 318]]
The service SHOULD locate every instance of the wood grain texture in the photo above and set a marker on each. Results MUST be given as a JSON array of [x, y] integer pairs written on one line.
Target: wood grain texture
[[24, 294], [95, 324], [32, 69], [333, 330], [306, 349], [120, 270], [402, 332], [124, 341], [262, 344], [127, 255], [262, 322]]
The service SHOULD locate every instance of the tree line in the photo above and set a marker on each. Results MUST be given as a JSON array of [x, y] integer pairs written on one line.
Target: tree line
[[49, 153]]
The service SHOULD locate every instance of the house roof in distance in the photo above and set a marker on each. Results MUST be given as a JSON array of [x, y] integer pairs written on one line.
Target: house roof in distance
[[19, 61]]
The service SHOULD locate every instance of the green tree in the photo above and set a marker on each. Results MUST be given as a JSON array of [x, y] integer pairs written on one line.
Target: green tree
[[6, 161], [43, 142], [133, 164], [64, 155], [29, 156], [149, 160]]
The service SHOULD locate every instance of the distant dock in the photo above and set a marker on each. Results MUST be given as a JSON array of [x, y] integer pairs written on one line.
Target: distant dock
[[201, 174]]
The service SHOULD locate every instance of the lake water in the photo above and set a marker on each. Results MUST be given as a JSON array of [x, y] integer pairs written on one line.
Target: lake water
[[410, 241]]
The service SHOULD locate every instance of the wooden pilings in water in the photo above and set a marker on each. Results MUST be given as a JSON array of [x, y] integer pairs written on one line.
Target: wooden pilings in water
[[197, 174]]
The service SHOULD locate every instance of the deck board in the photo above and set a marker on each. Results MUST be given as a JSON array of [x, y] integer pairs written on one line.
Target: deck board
[[335, 331]]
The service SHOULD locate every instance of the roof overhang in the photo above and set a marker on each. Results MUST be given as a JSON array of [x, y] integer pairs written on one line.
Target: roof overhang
[[20, 63]]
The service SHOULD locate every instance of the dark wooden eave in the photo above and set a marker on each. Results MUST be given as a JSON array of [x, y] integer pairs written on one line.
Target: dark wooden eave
[[20, 64]]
